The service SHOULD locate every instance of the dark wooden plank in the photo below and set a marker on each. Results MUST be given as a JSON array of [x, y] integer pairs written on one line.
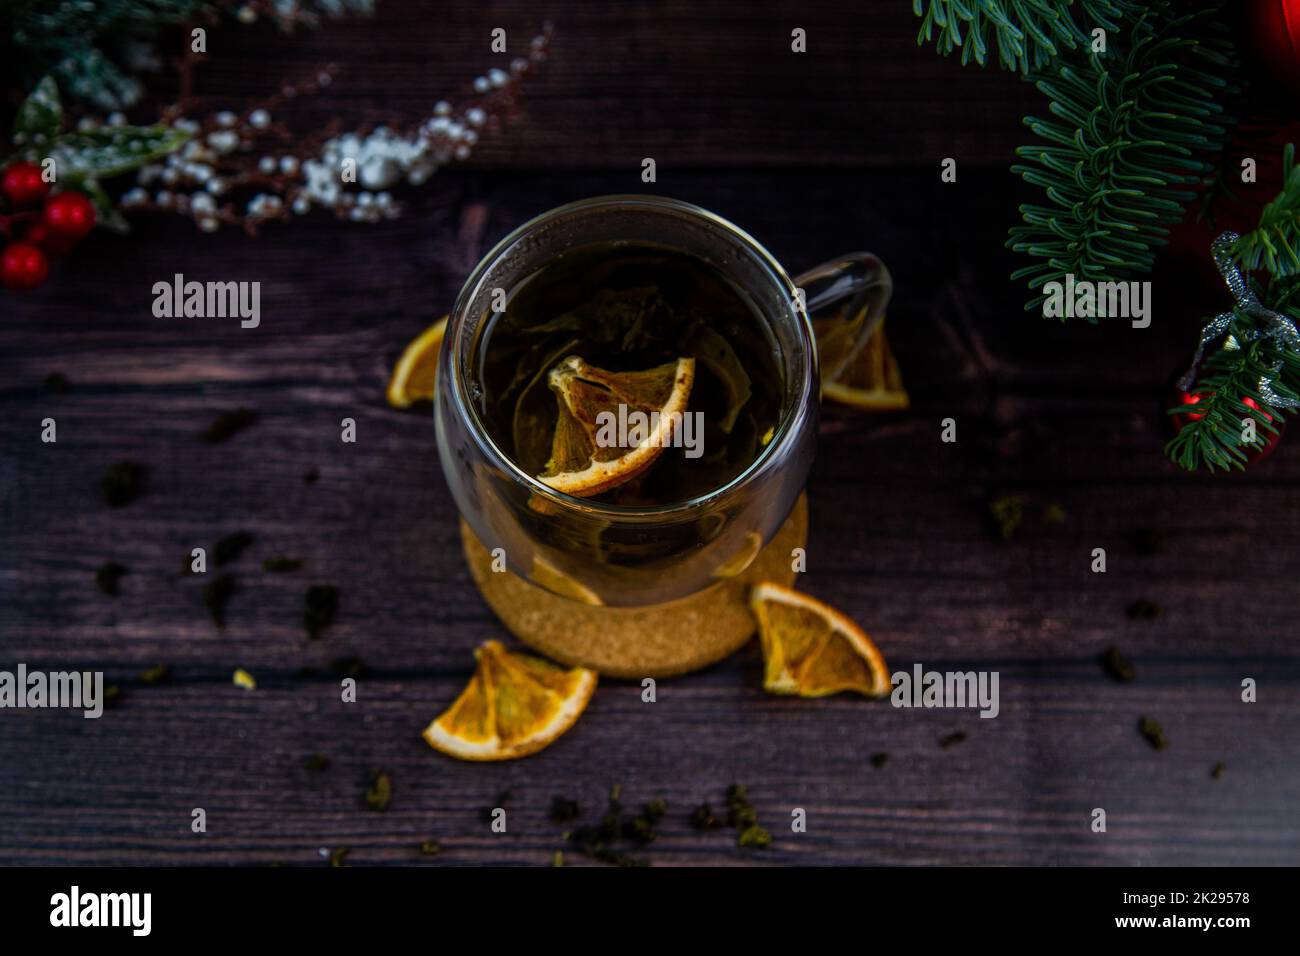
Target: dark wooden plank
[[686, 83], [1019, 789], [900, 539]]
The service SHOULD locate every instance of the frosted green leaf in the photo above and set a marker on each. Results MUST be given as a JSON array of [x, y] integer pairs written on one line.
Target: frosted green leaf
[[41, 115], [110, 151]]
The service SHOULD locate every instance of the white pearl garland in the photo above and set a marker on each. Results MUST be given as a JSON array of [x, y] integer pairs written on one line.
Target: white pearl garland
[[196, 175]]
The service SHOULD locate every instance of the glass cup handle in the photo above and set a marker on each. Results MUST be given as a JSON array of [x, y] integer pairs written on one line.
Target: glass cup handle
[[845, 299]]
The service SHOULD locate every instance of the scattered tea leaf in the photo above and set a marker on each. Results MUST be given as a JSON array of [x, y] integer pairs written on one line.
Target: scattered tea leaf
[[879, 760], [112, 695], [158, 674], [107, 575], [557, 858], [1053, 513], [742, 816], [231, 547], [352, 667], [228, 424], [216, 594], [1007, 512], [430, 848], [1144, 610], [599, 840], [1153, 732], [1117, 665], [322, 603], [279, 565], [616, 857], [338, 855], [1146, 541], [956, 737], [244, 679], [1217, 771], [702, 818], [642, 828], [740, 812], [564, 810], [318, 763], [380, 792], [122, 483]]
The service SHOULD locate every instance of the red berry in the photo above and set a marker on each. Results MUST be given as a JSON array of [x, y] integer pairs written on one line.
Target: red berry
[[68, 217], [1255, 454], [22, 184], [1187, 399], [23, 266], [37, 235]]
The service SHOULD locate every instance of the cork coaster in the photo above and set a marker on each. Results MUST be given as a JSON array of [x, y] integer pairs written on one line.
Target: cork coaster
[[659, 640]]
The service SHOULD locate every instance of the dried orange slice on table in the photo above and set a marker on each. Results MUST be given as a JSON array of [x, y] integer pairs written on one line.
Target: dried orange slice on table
[[416, 372], [579, 465], [870, 380], [513, 706], [811, 649]]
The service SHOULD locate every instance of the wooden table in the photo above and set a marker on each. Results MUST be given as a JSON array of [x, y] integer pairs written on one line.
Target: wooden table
[[814, 154]]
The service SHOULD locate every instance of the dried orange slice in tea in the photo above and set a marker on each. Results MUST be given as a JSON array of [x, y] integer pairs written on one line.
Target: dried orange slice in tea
[[513, 706], [811, 649], [580, 464], [871, 379], [417, 370]]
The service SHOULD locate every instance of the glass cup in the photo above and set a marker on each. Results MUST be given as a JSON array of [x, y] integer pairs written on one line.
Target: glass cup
[[616, 555]]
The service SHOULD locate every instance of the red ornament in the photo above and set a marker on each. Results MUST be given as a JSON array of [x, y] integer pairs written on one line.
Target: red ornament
[[23, 185], [23, 266], [68, 217], [1186, 399], [1273, 42]]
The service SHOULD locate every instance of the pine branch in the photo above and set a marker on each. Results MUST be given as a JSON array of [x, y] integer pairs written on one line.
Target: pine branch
[[1029, 34], [86, 47], [1245, 363], [1273, 245], [1125, 148], [1216, 438], [95, 51]]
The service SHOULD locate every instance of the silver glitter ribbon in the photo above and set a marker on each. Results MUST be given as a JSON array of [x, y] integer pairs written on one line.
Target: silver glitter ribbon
[[1270, 324]]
